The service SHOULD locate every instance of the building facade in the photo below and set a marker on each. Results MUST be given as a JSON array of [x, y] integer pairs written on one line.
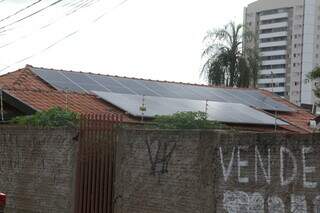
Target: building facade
[[288, 37]]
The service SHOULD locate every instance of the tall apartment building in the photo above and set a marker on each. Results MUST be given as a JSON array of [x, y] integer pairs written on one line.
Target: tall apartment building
[[288, 36]]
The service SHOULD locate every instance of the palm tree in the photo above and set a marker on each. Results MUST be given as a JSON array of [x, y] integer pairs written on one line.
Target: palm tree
[[223, 43], [314, 76], [254, 62], [244, 73]]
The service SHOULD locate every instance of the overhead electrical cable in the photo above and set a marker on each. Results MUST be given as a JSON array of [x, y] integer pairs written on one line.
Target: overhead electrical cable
[[72, 11], [64, 38], [21, 10], [30, 15]]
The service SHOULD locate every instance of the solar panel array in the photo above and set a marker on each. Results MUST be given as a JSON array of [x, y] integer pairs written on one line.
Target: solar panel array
[[217, 111], [87, 82]]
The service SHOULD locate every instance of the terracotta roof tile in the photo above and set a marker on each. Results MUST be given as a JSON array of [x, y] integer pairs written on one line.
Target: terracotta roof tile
[[23, 79], [29, 88], [81, 103], [300, 118]]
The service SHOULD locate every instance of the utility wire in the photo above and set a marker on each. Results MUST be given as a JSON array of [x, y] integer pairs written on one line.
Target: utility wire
[[2, 1], [81, 6], [74, 3], [21, 10], [63, 38], [30, 15], [74, 10]]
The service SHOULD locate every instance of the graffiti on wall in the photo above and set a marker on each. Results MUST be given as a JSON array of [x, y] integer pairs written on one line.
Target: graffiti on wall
[[248, 166], [159, 155]]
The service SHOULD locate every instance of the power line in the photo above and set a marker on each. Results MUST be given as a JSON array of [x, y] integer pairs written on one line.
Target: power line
[[21, 10], [63, 38], [74, 10], [30, 15], [68, 3]]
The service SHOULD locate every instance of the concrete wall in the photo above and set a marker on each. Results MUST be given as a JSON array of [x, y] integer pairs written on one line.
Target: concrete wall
[[37, 169], [195, 171]]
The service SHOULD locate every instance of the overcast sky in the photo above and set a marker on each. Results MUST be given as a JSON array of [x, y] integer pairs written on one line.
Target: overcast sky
[[153, 39]]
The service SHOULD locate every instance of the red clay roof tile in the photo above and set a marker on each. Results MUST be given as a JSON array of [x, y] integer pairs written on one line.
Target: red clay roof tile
[[29, 88]]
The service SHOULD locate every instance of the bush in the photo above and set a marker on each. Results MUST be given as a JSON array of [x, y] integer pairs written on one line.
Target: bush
[[54, 117], [186, 120]]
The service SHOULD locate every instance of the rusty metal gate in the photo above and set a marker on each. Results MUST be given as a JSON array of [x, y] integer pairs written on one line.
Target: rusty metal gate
[[95, 167]]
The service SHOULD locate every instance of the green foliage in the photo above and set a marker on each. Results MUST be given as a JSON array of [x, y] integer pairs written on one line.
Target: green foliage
[[254, 62], [315, 75], [54, 117], [223, 49], [244, 78], [225, 62], [186, 120]]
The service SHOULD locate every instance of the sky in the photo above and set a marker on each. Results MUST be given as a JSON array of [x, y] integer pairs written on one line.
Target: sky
[[151, 39]]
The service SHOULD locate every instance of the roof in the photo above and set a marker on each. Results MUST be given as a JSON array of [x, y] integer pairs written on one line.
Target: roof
[[300, 118], [29, 88], [23, 79], [44, 100], [32, 91], [88, 82]]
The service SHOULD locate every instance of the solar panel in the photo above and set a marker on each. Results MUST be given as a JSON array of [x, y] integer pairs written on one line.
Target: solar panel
[[85, 82], [218, 111], [111, 84], [135, 86], [55, 79]]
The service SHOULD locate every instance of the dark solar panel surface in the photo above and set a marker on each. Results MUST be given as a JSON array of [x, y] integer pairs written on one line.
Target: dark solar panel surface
[[217, 111], [86, 82]]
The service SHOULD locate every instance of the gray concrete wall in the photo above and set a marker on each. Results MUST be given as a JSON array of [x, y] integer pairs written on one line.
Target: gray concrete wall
[[37, 169], [197, 171]]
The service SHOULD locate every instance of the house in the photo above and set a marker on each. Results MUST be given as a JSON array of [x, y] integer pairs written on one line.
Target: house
[[32, 89]]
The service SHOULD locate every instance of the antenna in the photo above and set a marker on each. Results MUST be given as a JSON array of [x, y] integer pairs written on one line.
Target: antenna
[[275, 120], [1, 104], [272, 82], [206, 109], [143, 108], [66, 100]]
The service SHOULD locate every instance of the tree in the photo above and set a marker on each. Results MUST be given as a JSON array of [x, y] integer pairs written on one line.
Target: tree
[[186, 120], [217, 72], [54, 117], [315, 75], [224, 59], [244, 73], [224, 47], [252, 56]]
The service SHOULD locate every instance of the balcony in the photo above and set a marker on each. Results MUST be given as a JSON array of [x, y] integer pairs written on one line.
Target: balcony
[[274, 16], [274, 62], [273, 35], [270, 80], [275, 52], [274, 71], [273, 44], [273, 25]]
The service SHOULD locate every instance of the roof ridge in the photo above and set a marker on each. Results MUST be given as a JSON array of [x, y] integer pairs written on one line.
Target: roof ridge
[[144, 79], [47, 91], [278, 98]]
